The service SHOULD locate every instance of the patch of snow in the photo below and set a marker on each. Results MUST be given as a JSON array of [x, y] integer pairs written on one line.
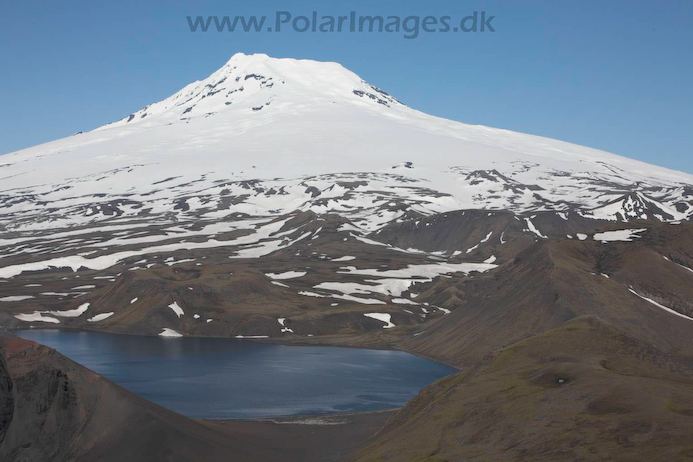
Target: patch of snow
[[176, 309], [100, 317], [169, 333], [178, 262], [16, 298], [533, 228], [622, 235], [382, 317], [444, 310], [488, 236], [284, 328], [661, 306], [79, 311], [286, 275], [677, 264], [36, 316], [365, 301], [310, 294], [344, 258]]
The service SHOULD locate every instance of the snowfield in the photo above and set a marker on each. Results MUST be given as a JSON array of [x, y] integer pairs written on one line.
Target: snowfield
[[659, 305], [176, 309], [384, 317], [622, 235], [239, 132], [100, 317], [16, 298], [36, 317], [286, 275], [166, 332]]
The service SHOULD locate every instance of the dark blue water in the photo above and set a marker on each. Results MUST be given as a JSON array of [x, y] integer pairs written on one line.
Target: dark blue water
[[228, 378]]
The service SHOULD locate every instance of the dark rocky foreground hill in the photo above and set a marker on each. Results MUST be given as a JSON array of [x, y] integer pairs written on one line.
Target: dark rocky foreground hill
[[52, 409], [581, 391]]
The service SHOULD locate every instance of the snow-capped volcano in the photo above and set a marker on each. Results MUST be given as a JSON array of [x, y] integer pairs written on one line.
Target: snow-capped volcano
[[302, 128], [291, 201], [282, 197]]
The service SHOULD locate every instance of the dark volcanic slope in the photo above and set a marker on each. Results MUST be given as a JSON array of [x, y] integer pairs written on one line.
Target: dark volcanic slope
[[555, 280], [54, 409], [611, 317], [581, 391]]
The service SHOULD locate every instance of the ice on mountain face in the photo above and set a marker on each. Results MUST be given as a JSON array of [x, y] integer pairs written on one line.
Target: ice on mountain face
[[678, 264], [659, 305], [16, 298], [284, 328], [533, 229], [286, 275], [37, 316], [394, 282], [488, 236], [366, 301], [72, 313], [176, 309], [622, 235], [100, 317], [345, 258], [636, 205], [310, 294], [40, 315], [383, 317]]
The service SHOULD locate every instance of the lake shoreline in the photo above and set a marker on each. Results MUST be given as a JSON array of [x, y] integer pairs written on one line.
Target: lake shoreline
[[310, 441], [333, 341]]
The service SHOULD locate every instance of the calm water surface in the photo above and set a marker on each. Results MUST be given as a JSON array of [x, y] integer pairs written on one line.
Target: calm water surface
[[229, 378]]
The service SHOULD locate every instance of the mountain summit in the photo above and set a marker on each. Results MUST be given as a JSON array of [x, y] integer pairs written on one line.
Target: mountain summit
[[255, 82]]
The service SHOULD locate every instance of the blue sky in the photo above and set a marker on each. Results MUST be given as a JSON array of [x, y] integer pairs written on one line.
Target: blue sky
[[613, 75]]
